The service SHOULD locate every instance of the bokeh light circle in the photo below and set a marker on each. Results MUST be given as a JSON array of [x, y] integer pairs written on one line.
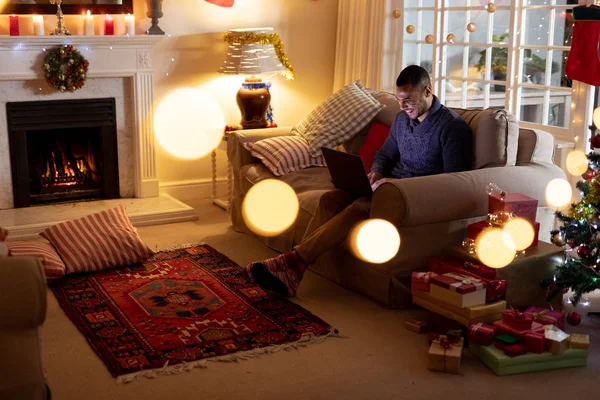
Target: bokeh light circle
[[558, 193], [374, 240], [495, 248], [189, 123], [577, 162], [270, 207], [521, 231]]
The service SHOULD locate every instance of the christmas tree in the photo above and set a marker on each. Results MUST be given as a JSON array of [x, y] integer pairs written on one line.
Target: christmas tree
[[580, 234]]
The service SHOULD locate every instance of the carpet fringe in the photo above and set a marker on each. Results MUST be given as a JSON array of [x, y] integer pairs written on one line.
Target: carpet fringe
[[167, 369], [180, 246]]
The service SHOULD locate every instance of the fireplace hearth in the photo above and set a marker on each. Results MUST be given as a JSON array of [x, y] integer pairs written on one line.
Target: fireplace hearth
[[63, 150]]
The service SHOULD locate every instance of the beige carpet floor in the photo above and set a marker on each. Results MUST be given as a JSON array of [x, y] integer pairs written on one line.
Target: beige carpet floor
[[379, 359]]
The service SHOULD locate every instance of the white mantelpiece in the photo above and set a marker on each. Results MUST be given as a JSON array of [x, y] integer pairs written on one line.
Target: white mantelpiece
[[21, 60]]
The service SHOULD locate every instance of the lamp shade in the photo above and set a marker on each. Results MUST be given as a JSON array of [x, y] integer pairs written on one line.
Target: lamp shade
[[250, 58]]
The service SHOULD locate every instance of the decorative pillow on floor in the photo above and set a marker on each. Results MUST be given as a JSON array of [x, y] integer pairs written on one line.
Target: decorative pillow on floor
[[338, 118], [3, 248], [98, 241], [54, 267], [284, 154], [373, 142]]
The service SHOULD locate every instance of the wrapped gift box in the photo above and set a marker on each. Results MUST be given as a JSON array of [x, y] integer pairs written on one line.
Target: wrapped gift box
[[515, 350], [496, 288], [507, 339], [534, 341], [546, 317], [503, 327], [500, 345], [416, 325], [458, 290], [421, 281], [579, 341], [519, 204], [556, 340], [482, 334], [536, 237], [501, 364], [474, 229], [517, 320], [445, 356]]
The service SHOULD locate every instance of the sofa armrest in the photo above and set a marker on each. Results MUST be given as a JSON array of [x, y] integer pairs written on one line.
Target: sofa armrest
[[450, 197], [22, 293], [535, 145], [236, 152]]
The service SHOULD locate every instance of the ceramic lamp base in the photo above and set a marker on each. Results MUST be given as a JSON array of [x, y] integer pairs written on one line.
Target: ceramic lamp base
[[253, 99]]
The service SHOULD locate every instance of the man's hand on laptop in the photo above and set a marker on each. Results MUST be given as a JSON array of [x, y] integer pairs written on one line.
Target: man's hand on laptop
[[374, 177]]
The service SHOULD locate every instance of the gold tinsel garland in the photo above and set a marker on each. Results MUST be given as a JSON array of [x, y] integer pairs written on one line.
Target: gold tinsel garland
[[264, 38], [588, 205]]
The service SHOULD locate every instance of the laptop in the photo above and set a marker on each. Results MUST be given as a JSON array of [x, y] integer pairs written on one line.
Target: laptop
[[347, 172]]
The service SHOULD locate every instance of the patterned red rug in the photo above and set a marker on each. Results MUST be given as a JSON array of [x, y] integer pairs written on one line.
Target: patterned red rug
[[178, 310]]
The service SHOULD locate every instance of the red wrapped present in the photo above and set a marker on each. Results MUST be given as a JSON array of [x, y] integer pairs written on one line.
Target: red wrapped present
[[515, 350], [458, 290], [536, 231], [535, 342], [519, 204], [500, 345], [442, 265], [496, 290], [517, 320], [421, 280], [546, 317], [481, 334], [474, 229], [503, 327]]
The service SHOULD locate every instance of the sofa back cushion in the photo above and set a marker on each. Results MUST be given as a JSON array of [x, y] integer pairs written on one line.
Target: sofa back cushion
[[495, 137]]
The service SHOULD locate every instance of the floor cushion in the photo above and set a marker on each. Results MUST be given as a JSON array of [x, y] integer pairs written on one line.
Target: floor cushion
[[54, 267]]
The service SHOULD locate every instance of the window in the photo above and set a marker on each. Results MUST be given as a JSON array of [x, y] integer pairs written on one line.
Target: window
[[513, 58]]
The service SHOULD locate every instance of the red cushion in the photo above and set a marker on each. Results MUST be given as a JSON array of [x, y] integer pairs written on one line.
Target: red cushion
[[375, 138]]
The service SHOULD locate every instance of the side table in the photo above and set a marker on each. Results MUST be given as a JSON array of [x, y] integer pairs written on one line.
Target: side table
[[524, 275], [223, 203]]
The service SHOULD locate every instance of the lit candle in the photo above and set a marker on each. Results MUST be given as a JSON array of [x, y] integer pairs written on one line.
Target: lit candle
[[130, 24], [38, 25], [109, 25], [14, 25], [88, 24]]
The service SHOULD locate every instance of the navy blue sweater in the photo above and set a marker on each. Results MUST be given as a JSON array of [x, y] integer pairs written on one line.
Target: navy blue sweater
[[443, 142]]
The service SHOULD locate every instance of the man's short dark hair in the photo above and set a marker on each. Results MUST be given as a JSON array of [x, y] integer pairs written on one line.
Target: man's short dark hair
[[415, 76]]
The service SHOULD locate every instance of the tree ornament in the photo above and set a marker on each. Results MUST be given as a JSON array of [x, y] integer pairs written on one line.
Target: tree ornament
[[583, 251], [396, 13], [597, 238], [559, 239], [66, 68], [589, 174], [573, 318], [429, 39], [471, 27], [490, 7], [410, 29], [451, 38], [593, 219], [595, 141]]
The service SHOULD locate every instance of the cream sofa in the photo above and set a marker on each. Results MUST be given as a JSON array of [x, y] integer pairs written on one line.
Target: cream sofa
[[22, 312], [431, 213]]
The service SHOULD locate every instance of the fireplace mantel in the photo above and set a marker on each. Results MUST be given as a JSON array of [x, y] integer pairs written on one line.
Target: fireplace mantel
[[109, 57]]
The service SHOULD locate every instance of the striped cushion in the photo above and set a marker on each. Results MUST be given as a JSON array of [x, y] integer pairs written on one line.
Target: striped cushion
[[338, 118], [3, 234], [98, 241], [54, 267], [284, 154]]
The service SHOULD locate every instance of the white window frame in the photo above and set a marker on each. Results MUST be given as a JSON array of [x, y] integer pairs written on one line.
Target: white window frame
[[581, 94]]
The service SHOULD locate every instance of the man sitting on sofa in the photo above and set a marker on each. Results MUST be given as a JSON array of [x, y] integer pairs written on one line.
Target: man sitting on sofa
[[426, 139]]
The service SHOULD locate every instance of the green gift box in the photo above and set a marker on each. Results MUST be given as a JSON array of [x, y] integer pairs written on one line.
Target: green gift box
[[502, 364]]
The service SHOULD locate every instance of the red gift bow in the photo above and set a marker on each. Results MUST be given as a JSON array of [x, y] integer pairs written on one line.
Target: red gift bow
[[517, 314], [446, 343], [542, 313]]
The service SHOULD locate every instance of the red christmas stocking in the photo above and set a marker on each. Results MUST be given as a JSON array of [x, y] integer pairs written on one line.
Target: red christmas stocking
[[221, 3], [583, 62]]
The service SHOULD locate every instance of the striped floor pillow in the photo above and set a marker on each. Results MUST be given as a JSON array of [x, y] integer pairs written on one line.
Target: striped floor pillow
[[54, 267], [284, 154], [98, 241]]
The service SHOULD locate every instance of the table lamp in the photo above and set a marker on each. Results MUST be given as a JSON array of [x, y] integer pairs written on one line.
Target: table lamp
[[252, 59]]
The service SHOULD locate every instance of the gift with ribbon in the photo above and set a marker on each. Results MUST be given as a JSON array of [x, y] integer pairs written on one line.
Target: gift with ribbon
[[421, 281], [481, 334], [516, 203], [517, 320], [546, 317], [416, 325], [515, 350], [534, 341], [504, 327], [556, 340], [445, 354], [458, 289]]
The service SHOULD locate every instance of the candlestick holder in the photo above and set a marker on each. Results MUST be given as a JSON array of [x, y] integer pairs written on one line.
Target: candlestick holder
[[60, 30], [154, 13]]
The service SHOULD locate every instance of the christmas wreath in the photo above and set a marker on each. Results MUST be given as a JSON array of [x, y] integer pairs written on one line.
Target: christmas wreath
[[65, 68]]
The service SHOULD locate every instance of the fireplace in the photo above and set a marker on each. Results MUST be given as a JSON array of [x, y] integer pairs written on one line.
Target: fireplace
[[63, 150]]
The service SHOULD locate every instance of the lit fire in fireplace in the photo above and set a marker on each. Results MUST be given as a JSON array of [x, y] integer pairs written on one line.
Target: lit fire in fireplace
[[66, 170]]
